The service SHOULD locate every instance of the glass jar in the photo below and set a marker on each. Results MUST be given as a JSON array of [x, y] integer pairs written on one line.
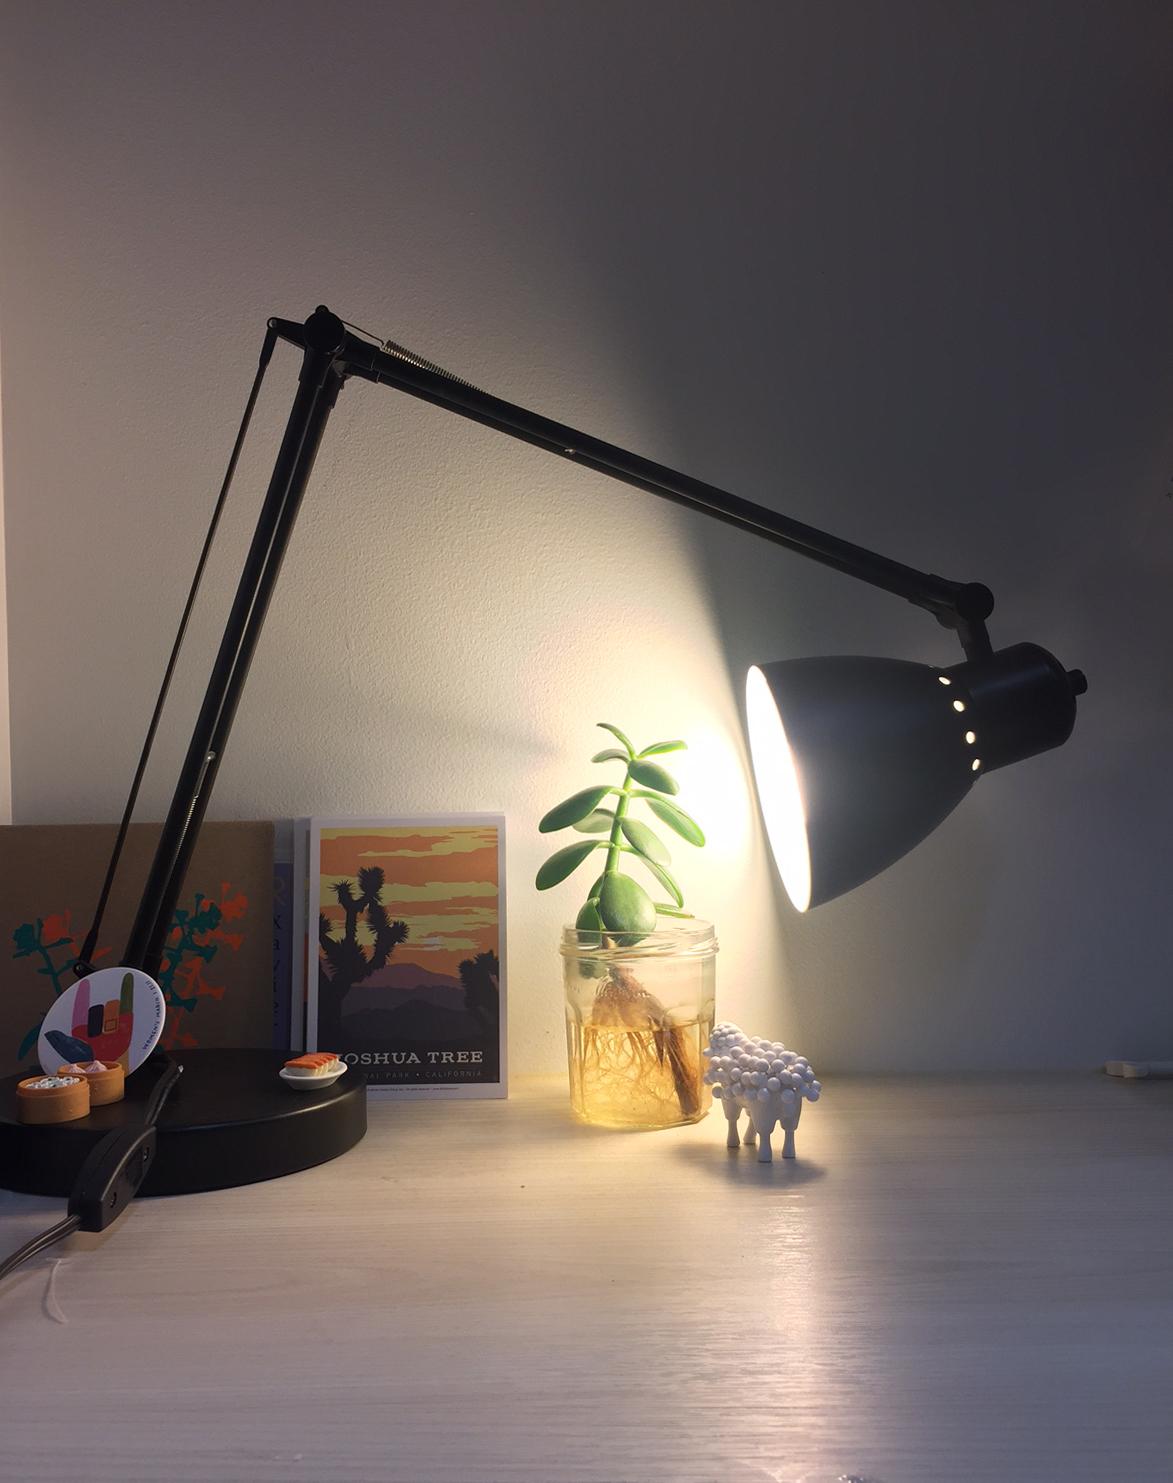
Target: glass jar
[[637, 1017]]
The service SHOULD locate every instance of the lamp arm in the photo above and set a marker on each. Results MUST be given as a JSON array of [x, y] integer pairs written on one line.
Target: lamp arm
[[319, 382], [330, 356], [963, 606]]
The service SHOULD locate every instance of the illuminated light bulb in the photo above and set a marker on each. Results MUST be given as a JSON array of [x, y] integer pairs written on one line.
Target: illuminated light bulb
[[976, 763], [857, 758], [779, 789], [944, 680]]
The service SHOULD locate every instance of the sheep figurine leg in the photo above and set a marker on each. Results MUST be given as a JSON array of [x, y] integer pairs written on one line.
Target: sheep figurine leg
[[745, 1105], [788, 1123], [732, 1114], [763, 1116]]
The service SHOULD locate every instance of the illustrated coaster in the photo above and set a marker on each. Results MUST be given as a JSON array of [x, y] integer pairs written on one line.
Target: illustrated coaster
[[113, 1015]]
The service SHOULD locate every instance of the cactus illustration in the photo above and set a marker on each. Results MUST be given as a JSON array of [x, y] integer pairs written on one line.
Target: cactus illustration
[[43, 938], [344, 961], [49, 939], [480, 978], [197, 935]]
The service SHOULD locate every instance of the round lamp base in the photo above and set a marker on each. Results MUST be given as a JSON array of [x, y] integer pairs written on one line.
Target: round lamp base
[[230, 1120]]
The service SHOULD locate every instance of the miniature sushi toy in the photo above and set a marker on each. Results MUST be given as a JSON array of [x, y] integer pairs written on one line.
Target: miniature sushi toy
[[52, 1099], [316, 1069], [107, 1081]]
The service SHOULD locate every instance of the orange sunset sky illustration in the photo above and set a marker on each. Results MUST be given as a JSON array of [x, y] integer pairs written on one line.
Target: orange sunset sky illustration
[[442, 880]]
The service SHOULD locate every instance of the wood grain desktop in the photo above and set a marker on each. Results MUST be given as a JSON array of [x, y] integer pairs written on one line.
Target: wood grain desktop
[[958, 1279]]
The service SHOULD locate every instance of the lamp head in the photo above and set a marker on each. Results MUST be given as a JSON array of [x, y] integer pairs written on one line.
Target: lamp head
[[857, 760]]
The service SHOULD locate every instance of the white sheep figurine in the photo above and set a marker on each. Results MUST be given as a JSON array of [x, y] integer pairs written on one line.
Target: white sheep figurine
[[761, 1077]]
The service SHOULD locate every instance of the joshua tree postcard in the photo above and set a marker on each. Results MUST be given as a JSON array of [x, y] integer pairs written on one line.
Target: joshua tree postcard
[[410, 979]]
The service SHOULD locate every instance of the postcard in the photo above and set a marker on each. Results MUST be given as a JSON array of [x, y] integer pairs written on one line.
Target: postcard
[[217, 971], [410, 980]]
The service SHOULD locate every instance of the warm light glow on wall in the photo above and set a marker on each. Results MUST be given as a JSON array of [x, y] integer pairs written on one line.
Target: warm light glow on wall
[[713, 779], [779, 789]]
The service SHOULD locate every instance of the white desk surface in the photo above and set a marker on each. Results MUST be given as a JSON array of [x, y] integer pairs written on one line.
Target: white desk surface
[[958, 1279]]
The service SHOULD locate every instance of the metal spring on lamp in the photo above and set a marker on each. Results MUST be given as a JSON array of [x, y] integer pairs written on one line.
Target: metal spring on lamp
[[390, 347]]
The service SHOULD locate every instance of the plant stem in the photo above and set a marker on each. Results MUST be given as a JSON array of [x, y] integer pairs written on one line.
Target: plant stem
[[613, 844]]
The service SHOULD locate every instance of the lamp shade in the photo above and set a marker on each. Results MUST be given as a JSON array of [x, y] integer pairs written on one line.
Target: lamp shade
[[858, 759]]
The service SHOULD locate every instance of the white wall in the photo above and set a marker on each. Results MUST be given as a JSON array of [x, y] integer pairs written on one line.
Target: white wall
[[901, 270]]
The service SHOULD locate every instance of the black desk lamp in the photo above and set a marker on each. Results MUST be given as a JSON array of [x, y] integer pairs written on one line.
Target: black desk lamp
[[856, 760]]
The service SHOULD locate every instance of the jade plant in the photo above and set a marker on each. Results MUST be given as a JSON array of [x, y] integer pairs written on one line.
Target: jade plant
[[631, 1038], [617, 902]]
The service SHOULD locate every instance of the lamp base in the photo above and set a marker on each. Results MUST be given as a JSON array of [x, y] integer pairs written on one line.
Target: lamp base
[[230, 1120]]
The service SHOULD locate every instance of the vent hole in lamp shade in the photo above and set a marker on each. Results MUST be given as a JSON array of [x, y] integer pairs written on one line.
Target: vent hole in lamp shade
[[779, 789]]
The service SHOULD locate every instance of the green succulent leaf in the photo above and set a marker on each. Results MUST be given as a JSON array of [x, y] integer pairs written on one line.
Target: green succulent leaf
[[598, 822], [618, 735], [626, 907], [572, 809], [645, 840], [562, 862], [652, 775], [665, 880], [588, 919], [619, 911], [590, 935], [675, 818]]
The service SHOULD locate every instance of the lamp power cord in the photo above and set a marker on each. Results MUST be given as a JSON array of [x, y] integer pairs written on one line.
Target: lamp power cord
[[109, 1179]]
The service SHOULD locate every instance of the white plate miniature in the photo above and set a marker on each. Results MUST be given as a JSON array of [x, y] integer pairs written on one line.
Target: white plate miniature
[[303, 1083]]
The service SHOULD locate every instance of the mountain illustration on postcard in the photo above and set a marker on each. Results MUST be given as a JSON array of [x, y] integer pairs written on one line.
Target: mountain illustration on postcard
[[410, 930]]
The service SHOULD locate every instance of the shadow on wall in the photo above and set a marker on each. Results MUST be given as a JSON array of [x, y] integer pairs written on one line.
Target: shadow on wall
[[934, 311], [964, 381]]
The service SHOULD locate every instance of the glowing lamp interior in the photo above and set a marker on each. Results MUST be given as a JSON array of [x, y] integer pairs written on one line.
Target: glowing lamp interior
[[779, 789]]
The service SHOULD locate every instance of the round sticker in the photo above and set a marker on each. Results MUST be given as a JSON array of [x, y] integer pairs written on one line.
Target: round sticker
[[113, 1015]]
